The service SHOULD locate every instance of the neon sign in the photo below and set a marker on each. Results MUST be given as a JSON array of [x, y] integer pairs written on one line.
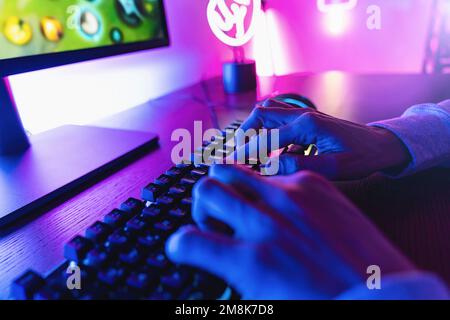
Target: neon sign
[[225, 17], [327, 6]]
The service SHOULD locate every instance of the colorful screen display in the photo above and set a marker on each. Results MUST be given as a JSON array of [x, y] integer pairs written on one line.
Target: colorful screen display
[[32, 27]]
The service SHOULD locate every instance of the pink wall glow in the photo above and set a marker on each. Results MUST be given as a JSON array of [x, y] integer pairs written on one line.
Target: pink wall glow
[[398, 47], [295, 40]]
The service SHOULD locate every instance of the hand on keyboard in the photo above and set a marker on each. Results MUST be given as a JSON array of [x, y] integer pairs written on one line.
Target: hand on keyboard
[[293, 237], [346, 150]]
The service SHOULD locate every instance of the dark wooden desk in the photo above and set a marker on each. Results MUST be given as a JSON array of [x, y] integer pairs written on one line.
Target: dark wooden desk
[[413, 212]]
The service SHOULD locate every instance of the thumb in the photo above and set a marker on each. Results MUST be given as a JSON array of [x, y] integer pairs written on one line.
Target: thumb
[[212, 252]]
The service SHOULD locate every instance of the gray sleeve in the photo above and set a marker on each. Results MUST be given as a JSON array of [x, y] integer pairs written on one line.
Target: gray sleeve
[[425, 131]]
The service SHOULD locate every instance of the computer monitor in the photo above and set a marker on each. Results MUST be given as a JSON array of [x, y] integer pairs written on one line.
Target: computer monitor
[[40, 34]]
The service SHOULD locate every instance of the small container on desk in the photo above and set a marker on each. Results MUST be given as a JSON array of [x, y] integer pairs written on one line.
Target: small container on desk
[[239, 76]]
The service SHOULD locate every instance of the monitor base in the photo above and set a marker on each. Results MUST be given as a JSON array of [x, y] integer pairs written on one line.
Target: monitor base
[[13, 139], [61, 160]]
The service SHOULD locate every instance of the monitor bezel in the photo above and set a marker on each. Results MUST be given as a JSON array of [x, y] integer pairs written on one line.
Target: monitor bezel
[[20, 65]]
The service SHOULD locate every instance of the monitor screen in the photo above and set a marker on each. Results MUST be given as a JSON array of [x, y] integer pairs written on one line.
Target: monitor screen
[[36, 27]]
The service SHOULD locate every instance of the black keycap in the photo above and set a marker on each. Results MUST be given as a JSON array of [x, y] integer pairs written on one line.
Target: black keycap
[[164, 180], [186, 203], [135, 226], [185, 167], [51, 293], [98, 231], [158, 260], [199, 173], [132, 206], [76, 249], [152, 213], [175, 280], [178, 213], [164, 226], [149, 241], [141, 280], [117, 241], [178, 191], [131, 257], [96, 290], [188, 182], [112, 276], [175, 172], [96, 258], [116, 218], [123, 292], [24, 287], [152, 192], [165, 201]]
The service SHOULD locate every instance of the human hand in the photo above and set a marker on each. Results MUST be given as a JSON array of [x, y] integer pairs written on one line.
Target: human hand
[[293, 237], [346, 150]]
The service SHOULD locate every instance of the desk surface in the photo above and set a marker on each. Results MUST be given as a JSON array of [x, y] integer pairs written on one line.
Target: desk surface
[[413, 212]]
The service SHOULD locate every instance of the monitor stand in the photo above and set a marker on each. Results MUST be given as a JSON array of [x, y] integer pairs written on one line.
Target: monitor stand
[[36, 171]]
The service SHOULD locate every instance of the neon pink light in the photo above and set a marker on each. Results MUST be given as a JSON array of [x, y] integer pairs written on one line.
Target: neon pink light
[[337, 21]]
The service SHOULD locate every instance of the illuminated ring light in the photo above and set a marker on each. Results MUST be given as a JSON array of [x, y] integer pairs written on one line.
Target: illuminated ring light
[[222, 36]]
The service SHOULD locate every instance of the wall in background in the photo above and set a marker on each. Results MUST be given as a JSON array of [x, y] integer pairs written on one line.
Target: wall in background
[[295, 30], [85, 92], [398, 47]]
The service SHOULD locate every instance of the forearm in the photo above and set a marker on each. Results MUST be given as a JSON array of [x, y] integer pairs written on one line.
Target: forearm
[[425, 132]]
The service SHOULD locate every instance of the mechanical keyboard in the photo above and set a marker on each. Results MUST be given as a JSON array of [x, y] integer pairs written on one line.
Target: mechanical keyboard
[[122, 257]]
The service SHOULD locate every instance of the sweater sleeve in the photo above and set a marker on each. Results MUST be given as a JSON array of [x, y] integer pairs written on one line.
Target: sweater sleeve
[[425, 131]]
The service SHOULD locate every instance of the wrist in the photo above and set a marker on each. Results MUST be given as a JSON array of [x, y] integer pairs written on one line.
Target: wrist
[[394, 155]]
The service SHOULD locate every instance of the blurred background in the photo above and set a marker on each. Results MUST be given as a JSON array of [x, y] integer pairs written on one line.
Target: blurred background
[[292, 36]]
